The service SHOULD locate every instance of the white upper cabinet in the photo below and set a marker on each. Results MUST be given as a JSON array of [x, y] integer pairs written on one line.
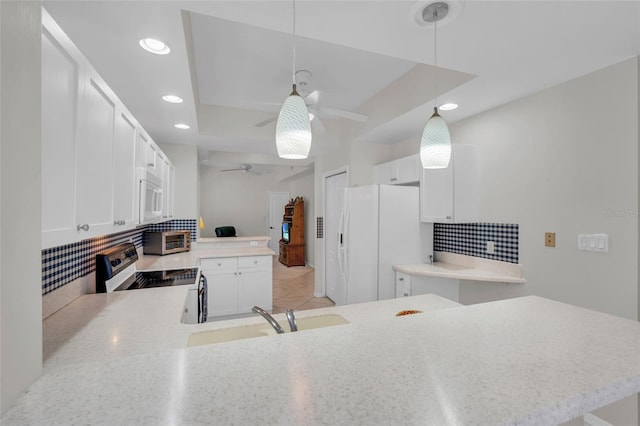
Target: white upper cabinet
[[94, 156], [91, 145], [146, 152], [450, 195], [124, 177], [168, 183], [402, 171], [162, 169], [61, 65]]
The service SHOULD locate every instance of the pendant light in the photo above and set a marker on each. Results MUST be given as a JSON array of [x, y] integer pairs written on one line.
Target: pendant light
[[435, 146], [293, 129]]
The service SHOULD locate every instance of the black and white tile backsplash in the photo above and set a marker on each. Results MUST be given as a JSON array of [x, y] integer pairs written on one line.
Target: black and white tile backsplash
[[471, 239], [63, 264]]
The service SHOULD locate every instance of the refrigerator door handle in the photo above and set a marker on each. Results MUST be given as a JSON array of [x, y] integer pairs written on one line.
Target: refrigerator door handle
[[340, 243], [346, 245]]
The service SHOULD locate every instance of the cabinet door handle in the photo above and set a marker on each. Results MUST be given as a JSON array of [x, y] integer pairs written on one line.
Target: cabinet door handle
[[255, 261], [401, 279], [448, 217], [239, 273], [84, 227], [219, 264], [394, 179], [406, 294]]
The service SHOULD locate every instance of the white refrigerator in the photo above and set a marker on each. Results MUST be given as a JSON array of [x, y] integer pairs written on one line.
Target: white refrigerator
[[379, 227]]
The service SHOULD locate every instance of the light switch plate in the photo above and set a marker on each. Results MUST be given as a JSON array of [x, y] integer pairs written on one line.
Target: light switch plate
[[593, 242]]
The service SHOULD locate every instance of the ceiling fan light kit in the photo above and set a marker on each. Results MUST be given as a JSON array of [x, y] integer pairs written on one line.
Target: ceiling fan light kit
[[435, 145], [293, 129]]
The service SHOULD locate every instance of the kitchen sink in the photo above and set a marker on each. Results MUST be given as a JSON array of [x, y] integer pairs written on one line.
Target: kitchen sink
[[262, 329]]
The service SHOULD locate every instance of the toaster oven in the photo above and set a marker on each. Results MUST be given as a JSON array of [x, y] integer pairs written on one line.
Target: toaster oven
[[167, 242]]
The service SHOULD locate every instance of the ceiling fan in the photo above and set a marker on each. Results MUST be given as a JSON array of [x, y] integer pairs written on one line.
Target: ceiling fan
[[303, 78], [243, 168]]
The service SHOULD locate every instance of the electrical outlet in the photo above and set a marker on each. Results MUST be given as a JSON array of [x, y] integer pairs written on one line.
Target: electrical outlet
[[491, 247], [550, 239]]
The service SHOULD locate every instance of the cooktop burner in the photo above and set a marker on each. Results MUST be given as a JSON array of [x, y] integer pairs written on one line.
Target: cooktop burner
[[165, 278]]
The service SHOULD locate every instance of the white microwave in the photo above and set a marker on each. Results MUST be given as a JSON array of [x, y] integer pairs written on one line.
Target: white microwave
[[150, 197]]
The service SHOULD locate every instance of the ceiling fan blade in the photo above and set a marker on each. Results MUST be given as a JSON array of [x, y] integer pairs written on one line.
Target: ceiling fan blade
[[312, 98], [265, 122], [231, 170], [261, 106], [317, 126], [349, 115]]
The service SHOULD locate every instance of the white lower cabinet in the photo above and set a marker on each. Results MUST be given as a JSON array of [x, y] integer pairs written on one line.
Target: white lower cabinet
[[403, 284], [413, 285], [237, 284]]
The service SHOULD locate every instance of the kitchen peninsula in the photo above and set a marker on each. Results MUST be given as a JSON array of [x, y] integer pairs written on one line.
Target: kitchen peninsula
[[239, 270], [520, 361]]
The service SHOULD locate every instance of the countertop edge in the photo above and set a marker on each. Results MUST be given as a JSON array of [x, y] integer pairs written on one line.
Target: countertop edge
[[470, 274]]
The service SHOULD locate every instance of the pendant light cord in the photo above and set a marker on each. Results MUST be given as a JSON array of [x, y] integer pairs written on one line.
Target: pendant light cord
[[435, 53], [293, 77]]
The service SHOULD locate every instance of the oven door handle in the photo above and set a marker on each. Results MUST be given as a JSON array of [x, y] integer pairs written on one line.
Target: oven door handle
[[202, 299]]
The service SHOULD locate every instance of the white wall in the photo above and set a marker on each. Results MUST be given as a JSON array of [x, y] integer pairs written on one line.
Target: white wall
[[237, 199], [20, 180], [185, 161], [559, 161], [565, 160], [241, 199]]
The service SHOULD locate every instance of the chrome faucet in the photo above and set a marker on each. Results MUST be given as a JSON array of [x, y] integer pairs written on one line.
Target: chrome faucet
[[292, 320], [431, 259], [269, 318]]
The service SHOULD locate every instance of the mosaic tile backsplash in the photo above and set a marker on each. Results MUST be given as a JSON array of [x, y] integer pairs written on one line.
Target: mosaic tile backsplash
[[63, 264], [471, 239]]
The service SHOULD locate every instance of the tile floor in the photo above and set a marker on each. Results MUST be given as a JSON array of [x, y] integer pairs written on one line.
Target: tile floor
[[293, 288]]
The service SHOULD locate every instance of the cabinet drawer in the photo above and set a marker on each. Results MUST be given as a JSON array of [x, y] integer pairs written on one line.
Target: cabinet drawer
[[219, 264], [254, 262]]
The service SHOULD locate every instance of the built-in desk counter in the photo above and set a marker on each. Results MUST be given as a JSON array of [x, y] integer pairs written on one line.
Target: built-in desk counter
[[443, 276]]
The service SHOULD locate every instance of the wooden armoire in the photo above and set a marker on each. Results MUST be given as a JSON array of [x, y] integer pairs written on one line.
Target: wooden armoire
[[292, 252]]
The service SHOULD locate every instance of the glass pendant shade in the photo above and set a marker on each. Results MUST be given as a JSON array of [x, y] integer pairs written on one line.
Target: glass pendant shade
[[435, 147], [293, 130]]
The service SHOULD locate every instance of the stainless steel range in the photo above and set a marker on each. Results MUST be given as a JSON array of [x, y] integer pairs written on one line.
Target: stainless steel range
[[116, 271]]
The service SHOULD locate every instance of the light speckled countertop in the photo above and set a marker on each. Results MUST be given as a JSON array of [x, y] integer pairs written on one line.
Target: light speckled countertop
[[198, 251], [520, 361], [461, 267]]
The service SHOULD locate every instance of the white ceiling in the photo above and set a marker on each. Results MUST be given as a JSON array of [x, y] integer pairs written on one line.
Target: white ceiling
[[231, 60]]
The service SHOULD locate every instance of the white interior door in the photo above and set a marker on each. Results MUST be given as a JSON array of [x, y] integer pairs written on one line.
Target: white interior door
[[333, 206], [277, 201]]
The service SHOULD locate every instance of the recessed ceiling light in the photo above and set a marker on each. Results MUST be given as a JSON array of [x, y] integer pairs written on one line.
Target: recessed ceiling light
[[172, 99], [154, 46], [448, 107], [181, 126]]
